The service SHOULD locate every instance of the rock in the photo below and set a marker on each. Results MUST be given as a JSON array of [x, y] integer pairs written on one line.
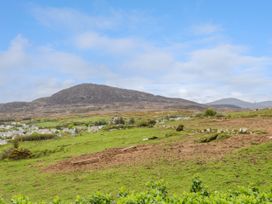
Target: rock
[[208, 130], [150, 138], [220, 131], [3, 142], [95, 128], [243, 130]]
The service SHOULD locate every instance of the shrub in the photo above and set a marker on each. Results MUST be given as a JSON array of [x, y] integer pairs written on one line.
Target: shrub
[[180, 128], [16, 154], [157, 194], [131, 121], [100, 122], [142, 124], [210, 112], [151, 123], [36, 137], [148, 123], [198, 187], [100, 198], [15, 144], [208, 138], [117, 121]]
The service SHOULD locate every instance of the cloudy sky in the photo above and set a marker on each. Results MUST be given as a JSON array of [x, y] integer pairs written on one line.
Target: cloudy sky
[[200, 50]]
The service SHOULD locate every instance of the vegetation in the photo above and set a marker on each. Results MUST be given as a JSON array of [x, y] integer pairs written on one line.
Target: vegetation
[[180, 128], [131, 121], [15, 152], [210, 112], [157, 192], [36, 137], [100, 122], [149, 123], [118, 121], [208, 138], [244, 165]]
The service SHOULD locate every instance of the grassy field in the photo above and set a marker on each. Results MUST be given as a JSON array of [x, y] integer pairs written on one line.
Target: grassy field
[[244, 165]]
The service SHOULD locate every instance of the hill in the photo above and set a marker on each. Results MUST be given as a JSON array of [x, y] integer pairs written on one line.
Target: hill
[[93, 97], [240, 103], [101, 94]]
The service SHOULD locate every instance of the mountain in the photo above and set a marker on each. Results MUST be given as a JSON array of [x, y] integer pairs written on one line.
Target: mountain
[[240, 103], [92, 97], [101, 94]]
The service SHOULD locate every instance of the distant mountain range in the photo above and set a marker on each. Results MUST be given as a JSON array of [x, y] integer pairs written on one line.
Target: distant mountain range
[[234, 102], [93, 97]]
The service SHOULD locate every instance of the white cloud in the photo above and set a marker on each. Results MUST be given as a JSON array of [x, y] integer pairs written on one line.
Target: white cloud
[[97, 20], [28, 72], [205, 74], [15, 55], [73, 19], [201, 69], [206, 29], [92, 40]]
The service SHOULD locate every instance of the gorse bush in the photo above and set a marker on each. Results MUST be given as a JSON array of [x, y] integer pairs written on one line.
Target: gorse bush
[[157, 193], [180, 127], [16, 154], [210, 112]]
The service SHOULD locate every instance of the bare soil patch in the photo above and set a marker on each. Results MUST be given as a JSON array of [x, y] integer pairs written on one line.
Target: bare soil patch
[[142, 154]]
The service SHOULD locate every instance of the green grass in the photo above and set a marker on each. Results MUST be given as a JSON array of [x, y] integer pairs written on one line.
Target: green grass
[[248, 166], [250, 114], [25, 177]]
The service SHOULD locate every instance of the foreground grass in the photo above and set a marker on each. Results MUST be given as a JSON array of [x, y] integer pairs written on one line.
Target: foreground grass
[[251, 166], [158, 193]]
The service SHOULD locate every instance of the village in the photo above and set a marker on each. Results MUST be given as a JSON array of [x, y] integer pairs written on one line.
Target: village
[[12, 130]]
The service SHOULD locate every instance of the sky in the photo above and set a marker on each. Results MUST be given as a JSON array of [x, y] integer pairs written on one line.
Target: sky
[[200, 50]]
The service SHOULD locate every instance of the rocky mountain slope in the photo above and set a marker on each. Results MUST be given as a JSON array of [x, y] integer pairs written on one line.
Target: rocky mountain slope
[[241, 104], [93, 97]]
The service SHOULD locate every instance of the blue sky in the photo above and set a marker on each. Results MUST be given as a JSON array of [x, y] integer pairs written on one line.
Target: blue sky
[[200, 50]]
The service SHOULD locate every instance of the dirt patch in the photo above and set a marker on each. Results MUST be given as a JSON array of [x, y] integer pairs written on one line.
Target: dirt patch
[[142, 154]]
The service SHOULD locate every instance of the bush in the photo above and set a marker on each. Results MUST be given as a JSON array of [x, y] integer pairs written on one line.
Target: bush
[[210, 112], [151, 123], [142, 124], [148, 123], [15, 144], [157, 194], [100, 198], [117, 121], [180, 128], [131, 121], [198, 187], [16, 154], [100, 122], [36, 137]]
